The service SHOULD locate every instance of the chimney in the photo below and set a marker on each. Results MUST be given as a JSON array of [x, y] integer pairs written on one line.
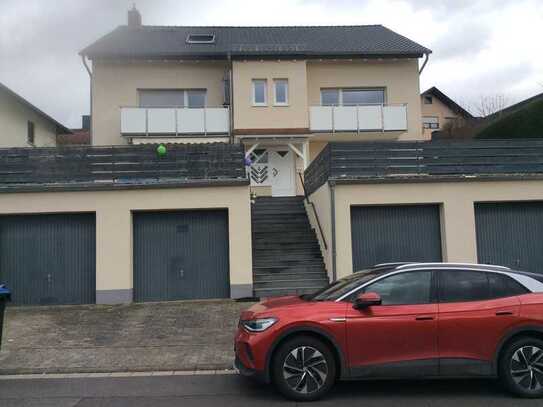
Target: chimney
[[134, 17]]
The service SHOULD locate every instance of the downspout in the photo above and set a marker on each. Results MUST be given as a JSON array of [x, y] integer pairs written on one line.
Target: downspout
[[426, 58], [333, 218], [91, 115], [231, 90]]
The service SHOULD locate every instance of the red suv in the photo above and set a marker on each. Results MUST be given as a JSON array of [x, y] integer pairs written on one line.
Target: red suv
[[400, 321]]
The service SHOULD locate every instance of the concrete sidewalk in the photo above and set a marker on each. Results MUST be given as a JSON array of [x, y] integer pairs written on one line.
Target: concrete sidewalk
[[180, 336]]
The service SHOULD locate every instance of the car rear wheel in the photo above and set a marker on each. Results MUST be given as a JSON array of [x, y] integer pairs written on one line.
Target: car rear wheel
[[521, 367], [303, 369]]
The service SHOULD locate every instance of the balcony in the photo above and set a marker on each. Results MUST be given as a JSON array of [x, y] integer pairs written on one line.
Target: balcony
[[358, 118], [171, 121]]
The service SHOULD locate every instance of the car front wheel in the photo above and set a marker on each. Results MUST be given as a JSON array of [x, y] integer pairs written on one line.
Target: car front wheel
[[521, 367], [303, 369]]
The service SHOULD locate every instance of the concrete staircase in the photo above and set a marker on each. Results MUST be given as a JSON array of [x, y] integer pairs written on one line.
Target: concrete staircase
[[286, 255]]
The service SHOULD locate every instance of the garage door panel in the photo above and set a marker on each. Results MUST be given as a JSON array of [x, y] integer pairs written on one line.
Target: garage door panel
[[181, 255], [49, 259], [382, 234], [510, 234]]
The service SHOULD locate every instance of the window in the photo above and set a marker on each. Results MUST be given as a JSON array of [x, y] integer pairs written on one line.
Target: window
[[352, 97], [30, 139], [430, 122], [404, 288], [428, 100], [201, 38], [502, 286], [281, 91], [462, 286], [172, 98], [259, 92], [330, 97]]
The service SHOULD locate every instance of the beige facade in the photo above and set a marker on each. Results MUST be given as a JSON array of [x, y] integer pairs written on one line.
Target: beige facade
[[294, 115], [438, 110], [399, 79], [14, 118], [115, 84], [113, 209], [456, 200]]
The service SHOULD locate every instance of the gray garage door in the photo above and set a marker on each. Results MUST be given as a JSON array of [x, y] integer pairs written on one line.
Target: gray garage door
[[382, 234], [49, 259], [181, 255], [510, 234]]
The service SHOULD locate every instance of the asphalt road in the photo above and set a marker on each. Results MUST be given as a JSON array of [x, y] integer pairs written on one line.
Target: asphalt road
[[233, 390]]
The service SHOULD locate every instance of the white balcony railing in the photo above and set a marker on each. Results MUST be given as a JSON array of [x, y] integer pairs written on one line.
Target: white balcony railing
[[174, 121], [358, 118]]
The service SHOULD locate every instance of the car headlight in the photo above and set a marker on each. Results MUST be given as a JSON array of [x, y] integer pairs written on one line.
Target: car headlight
[[258, 325]]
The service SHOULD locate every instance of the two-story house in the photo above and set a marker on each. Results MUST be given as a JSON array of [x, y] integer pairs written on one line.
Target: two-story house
[[24, 125], [284, 92], [440, 112]]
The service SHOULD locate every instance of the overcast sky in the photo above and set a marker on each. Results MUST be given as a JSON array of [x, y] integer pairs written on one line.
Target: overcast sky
[[480, 47]]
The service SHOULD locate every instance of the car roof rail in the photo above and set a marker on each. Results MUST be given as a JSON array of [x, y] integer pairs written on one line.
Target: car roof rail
[[454, 264]]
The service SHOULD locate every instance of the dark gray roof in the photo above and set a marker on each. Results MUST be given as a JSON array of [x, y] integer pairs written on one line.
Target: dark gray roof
[[309, 41], [60, 128]]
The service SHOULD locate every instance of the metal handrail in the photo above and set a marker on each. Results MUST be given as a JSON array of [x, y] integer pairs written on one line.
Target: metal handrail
[[306, 196]]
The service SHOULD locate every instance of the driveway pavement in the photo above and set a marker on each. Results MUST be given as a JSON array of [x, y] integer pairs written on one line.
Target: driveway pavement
[[235, 391], [189, 336]]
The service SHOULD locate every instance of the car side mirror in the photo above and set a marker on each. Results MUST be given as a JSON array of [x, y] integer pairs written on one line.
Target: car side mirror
[[366, 300]]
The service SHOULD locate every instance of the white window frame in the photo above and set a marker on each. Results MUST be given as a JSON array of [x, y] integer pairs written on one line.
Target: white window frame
[[341, 90], [275, 83], [185, 96], [432, 125], [265, 82]]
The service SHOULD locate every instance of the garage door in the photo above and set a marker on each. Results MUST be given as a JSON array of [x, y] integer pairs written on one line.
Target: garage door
[[49, 259], [510, 234], [383, 234], [181, 255]]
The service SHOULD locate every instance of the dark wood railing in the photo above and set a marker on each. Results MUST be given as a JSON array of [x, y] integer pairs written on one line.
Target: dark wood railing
[[372, 160], [121, 164]]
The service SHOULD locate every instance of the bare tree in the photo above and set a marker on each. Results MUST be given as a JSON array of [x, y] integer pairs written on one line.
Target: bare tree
[[490, 104]]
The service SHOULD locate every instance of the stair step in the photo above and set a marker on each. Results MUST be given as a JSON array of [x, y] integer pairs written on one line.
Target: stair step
[[290, 276], [279, 292], [289, 268], [317, 283]]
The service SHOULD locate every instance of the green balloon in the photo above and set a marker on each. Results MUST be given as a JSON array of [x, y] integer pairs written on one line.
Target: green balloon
[[161, 150]]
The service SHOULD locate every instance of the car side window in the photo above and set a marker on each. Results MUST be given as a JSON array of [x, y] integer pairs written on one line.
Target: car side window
[[404, 288], [463, 286], [502, 286]]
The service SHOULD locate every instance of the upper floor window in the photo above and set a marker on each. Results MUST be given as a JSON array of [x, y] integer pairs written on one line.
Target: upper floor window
[[172, 98], [30, 137], [428, 100], [281, 91], [430, 122], [352, 97], [260, 92]]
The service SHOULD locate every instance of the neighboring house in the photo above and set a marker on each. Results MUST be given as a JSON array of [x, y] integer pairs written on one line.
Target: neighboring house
[[283, 92], [24, 125], [440, 112], [80, 136]]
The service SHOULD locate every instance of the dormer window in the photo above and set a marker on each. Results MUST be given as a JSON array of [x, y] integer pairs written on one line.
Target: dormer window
[[201, 39]]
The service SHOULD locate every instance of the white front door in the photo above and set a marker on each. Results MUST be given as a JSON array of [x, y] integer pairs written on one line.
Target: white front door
[[282, 172]]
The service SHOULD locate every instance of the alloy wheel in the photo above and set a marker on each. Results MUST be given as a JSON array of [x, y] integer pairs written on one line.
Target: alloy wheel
[[527, 368], [305, 369]]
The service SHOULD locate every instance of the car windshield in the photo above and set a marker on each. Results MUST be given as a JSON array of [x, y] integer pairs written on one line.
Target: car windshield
[[344, 285]]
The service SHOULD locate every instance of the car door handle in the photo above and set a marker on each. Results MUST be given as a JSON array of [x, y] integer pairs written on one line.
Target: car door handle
[[424, 318], [500, 313]]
